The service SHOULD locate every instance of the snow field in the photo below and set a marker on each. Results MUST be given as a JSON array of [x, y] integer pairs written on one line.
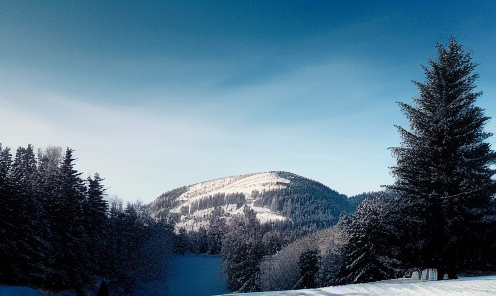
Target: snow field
[[476, 286]]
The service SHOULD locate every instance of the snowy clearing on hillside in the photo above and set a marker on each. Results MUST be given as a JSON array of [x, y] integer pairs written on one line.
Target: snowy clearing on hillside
[[243, 184], [479, 286]]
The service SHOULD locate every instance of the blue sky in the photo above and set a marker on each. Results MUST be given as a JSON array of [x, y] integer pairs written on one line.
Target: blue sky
[[155, 95]]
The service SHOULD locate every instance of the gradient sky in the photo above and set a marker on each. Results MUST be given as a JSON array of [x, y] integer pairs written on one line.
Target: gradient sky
[[155, 95]]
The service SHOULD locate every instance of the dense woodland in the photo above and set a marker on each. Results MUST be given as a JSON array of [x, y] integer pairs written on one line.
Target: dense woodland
[[58, 232]]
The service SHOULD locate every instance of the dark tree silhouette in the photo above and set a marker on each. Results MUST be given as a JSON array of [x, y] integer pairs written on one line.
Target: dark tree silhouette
[[309, 266], [443, 172], [371, 249]]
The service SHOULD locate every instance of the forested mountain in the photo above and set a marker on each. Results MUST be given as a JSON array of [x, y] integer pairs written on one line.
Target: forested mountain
[[278, 198]]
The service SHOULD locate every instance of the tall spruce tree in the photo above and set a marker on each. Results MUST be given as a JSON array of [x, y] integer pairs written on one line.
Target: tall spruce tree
[[95, 209], [443, 172], [26, 216], [8, 214], [71, 260]]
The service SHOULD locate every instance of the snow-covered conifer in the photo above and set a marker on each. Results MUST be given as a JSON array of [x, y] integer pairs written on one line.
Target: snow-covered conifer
[[370, 253], [443, 171]]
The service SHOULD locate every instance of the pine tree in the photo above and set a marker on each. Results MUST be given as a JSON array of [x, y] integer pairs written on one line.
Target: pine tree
[[309, 266], [443, 172], [70, 239], [7, 218], [181, 242], [242, 252], [370, 253], [25, 217], [95, 210], [50, 222]]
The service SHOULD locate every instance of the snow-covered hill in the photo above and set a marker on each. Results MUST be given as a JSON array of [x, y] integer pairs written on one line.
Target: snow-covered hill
[[274, 196], [477, 286]]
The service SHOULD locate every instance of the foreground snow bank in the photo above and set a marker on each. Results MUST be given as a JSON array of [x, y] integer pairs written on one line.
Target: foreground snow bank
[[479, 286]]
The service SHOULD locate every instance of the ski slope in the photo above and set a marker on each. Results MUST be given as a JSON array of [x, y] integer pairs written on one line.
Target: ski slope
[[478, 286]]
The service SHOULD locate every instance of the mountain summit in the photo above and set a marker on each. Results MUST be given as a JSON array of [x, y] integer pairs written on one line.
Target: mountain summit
[[276, 197]]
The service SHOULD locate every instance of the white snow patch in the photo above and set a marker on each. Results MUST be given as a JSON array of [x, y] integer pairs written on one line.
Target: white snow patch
[[264, 215], [245, 184]]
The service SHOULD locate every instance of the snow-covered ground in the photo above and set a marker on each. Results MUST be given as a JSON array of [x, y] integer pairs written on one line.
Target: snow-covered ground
[[477, 286]]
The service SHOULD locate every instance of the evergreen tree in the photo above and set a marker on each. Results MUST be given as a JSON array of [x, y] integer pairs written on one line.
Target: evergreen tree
[[48, 187], [309, 266], [7, 218], [370, 252], [181, 242], [123, 245], [443, 169], [25, 217], [242, 252], [70, 238], [95, 210], [215, 231]]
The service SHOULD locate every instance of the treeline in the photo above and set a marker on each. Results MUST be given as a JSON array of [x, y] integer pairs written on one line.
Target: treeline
[[371, 244], [137, 249], [57, 231]]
